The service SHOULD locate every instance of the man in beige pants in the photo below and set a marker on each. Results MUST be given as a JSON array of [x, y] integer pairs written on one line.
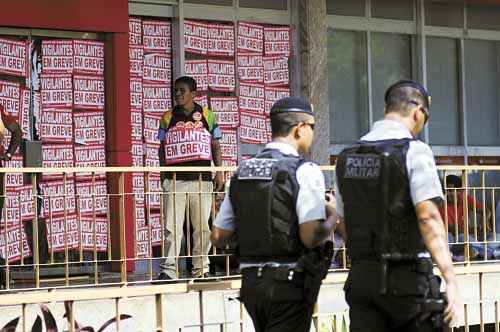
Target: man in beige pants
[[189, 136]]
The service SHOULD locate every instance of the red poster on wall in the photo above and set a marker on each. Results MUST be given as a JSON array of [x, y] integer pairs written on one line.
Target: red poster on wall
[[89, 57], [88, 92], [156, 229], [89, 128], [57, 56], [220, 40], [251, 97], [226, 111], [153, 192], [63, 232], [13, 57], [136, 92], [253, 128], [221, 75], [58, 197], [137, 150], [157, 68], [142, 247], [94, 233], [10, 94], [229, 143], [26, 199], [136, 58], [91, 199], [277, 40], [12, 215], [134, 31], [276, 70], [151, 155], [90, 156], [201, 99], [56, 125], [13, 243], [151, 125], [195, 37], [56, 90], [273, 94], [57, 155], [156, 97], [136, 124], [198, 70], [14, 180], [24, 114], [250, 68], [250, 37], [157, 36], [138, 188]]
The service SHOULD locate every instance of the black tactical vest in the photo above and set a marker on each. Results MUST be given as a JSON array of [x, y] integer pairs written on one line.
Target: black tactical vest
[[373, 181], [263, 194]]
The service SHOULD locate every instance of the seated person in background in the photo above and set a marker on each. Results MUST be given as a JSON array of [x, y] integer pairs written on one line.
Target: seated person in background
[[456, 218]]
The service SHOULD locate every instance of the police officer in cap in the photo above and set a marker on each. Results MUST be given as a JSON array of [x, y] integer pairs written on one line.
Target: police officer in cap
[[387, 192], [276, 207]]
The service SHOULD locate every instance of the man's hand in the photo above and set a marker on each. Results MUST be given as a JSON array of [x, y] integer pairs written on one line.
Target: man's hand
[[219, 181], [330, 205], [452, 310]]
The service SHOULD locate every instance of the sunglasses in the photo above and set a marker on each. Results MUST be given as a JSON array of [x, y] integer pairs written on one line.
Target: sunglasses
[[423, 109]]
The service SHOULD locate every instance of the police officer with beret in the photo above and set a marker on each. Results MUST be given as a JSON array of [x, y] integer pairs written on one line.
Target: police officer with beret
[[387, 192], [277, 210]]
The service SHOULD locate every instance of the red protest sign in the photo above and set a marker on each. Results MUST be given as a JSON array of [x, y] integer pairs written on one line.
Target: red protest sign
[[90, 156], [151, 125], [225, 110], [136, 123], [277, 40], [250, 68], [250, 37], [26, 202], [229, 144], [136, 92], [198, 70], [276, 70], [56, 125], [94, 233], [13, 243], [91, 198], [142, 248], [136, 58], [187, 143], [14, 180], [88, 92], [134, 31], [89, 57], [156, 97], [156, 36], [221, 75], [57, 90], [201, 99], [63, 232], [156, 229], [13, 57], [89, 127], [138, 188], [19, 204], [153, 193], [137, 150], [24, 114], [157, 68], [58, 197], [57, 56], [274, 94], [11, 215], [151, 155], [10, 94], [195, 37], [220, 40], [253, 128], [57, 155], [251, 97]]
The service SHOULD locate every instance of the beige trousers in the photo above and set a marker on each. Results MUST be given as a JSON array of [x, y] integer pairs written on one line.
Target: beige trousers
[[191, 200]]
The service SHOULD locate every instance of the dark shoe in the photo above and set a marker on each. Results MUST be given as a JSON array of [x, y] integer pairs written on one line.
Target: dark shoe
[[163, 278], [207, 277]]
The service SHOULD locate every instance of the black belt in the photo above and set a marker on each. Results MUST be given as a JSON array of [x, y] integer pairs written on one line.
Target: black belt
[[276, 273]]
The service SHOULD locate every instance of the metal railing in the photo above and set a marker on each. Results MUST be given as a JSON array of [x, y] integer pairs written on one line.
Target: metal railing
[[73, 227]]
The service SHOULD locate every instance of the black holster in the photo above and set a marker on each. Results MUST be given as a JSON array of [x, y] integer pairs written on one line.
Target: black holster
[[315, 264], [434, 303]]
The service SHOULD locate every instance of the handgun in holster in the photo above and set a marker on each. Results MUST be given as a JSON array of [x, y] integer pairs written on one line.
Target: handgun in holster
[[315, 264]]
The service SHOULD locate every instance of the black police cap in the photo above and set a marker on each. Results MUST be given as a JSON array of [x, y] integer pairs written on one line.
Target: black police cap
[[411, 84], [292, 105]]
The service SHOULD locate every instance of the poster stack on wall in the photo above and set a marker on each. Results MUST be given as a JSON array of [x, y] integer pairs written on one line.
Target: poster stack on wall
[[150, 55]]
